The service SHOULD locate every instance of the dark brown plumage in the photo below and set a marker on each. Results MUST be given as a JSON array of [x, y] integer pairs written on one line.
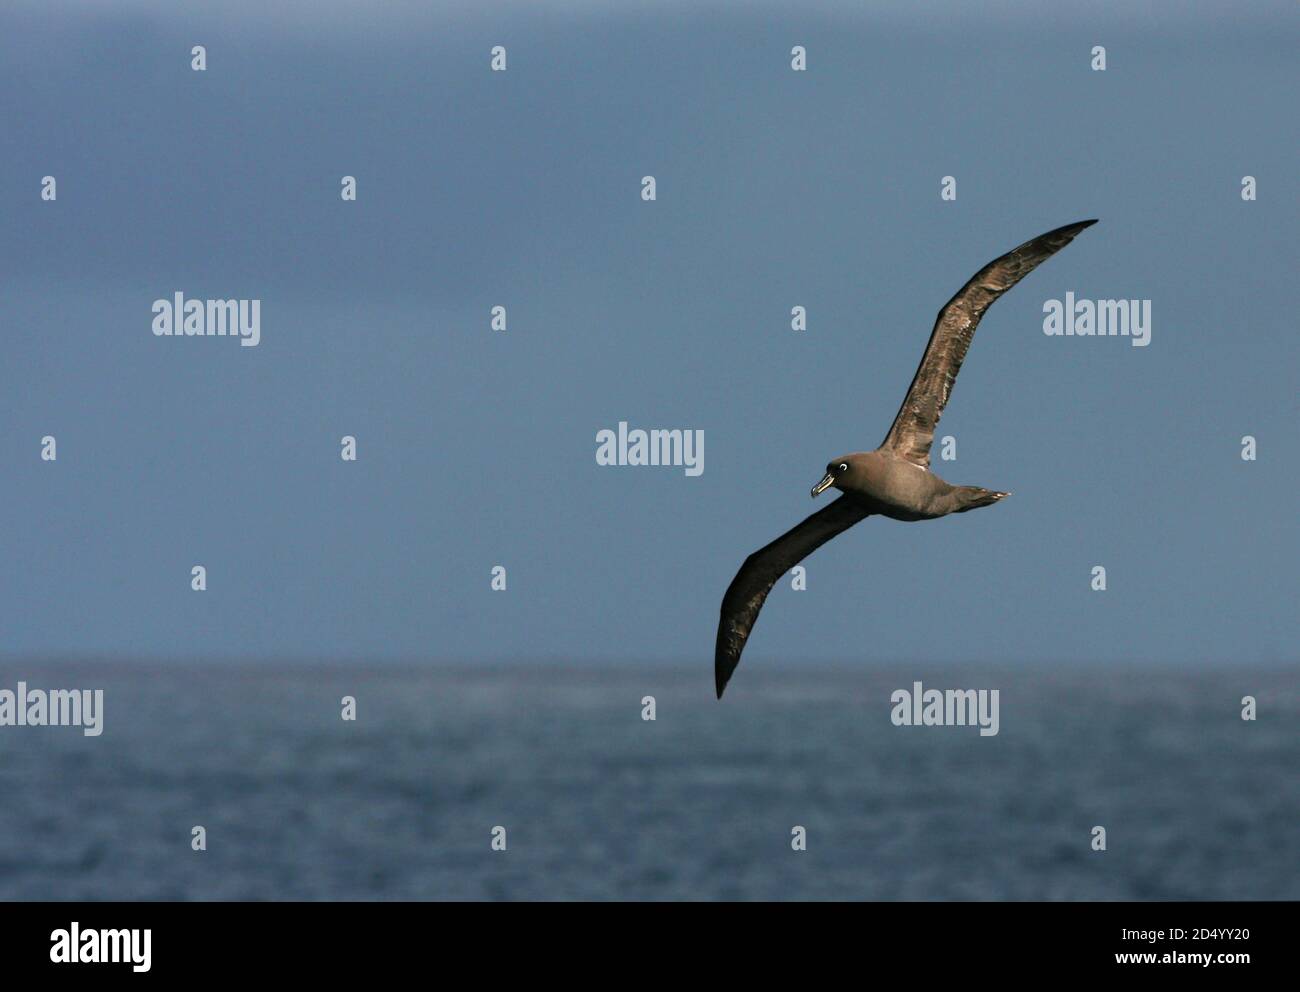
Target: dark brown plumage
[[894, 480]]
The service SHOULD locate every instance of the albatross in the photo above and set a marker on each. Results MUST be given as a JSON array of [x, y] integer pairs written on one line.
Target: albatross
[[895, 480]]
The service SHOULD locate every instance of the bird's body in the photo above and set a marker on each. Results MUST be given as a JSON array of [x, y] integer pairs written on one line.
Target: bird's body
[[902, 490], [895, 479]]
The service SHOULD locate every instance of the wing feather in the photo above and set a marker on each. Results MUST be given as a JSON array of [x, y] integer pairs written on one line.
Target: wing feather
[[913, 429], [748, 590]]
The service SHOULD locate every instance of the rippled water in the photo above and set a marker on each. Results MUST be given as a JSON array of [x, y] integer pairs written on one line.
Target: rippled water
[[698, 804]]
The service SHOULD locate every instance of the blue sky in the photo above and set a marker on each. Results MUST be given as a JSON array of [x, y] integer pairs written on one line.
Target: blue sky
[[521, 188]]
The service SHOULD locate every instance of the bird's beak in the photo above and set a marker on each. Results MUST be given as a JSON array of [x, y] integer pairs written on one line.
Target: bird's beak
[[818, 489]]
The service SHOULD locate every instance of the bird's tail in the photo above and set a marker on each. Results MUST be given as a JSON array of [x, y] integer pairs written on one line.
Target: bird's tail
[[972, 497]]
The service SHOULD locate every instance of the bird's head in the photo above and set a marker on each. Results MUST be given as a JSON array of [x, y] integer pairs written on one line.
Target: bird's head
[[844, 473]]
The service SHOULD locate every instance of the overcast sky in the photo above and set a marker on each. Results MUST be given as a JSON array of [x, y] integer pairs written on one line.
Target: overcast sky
[[775, 188]]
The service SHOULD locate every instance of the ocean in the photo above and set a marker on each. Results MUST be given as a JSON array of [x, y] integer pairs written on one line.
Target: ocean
[[700, 803]]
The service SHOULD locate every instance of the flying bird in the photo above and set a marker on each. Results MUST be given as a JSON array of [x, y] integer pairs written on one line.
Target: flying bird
[[894, 480]]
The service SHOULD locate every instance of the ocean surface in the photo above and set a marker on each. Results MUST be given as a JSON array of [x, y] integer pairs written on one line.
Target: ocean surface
[[699, 803]]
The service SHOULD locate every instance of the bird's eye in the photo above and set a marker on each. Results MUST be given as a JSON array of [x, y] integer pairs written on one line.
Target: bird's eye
[[844, 466]]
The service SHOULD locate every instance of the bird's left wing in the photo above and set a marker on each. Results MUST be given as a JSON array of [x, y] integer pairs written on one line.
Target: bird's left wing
[[756, 577], [913, 428]]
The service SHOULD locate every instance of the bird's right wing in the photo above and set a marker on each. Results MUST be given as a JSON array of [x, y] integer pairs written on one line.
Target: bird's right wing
[[756, 577]]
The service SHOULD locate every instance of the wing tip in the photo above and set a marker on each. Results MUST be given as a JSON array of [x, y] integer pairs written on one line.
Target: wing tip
[[1054, 240]]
